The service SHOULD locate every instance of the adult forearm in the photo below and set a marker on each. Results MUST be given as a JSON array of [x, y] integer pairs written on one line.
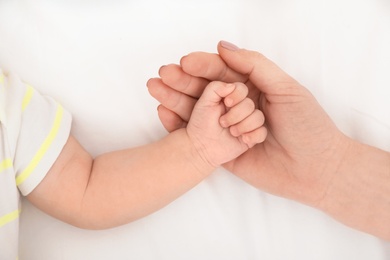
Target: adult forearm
[[359, 195], [129, 184]]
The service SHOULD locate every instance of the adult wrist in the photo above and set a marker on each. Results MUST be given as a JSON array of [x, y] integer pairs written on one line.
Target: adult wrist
[[359, 193]]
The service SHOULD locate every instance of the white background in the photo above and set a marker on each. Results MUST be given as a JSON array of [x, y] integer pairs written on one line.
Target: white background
[[95, 58]]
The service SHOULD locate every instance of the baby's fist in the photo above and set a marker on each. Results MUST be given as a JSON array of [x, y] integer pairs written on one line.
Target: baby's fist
[[242, 118]]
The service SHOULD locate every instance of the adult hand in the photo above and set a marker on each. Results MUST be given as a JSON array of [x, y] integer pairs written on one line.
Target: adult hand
[[303, 146], [304, 157]]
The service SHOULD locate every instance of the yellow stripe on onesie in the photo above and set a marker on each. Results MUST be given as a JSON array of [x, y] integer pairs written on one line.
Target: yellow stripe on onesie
[[5, 164], [9, 217], [2, 77], [27, 97], [44, 147]]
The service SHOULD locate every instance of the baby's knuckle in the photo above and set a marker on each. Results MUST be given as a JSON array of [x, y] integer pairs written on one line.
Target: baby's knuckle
[[249, 104], [242, 88]]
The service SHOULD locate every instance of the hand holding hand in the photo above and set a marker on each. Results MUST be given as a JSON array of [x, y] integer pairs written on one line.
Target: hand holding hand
[[224, 123], [303, 147], [304, 156]]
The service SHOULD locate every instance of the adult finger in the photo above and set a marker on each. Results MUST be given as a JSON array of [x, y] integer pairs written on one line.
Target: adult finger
[[180, 104], [172, 75], [262, 72], [170, 120], [210, 66]]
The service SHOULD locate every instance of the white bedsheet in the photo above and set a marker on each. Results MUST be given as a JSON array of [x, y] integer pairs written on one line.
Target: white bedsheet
[[95, 58]]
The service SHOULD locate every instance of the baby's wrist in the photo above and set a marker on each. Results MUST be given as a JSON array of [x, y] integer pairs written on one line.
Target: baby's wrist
[[197, 156]]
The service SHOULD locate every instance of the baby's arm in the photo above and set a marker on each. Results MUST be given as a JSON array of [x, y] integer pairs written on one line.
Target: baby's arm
[[122, 186], [118, 187]]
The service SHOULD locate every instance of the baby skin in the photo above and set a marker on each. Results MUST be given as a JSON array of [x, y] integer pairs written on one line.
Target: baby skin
[[121, 186], [225, 123]]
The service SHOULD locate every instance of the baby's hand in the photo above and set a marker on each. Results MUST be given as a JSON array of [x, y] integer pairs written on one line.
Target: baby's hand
[[242, 118], [225, 123]]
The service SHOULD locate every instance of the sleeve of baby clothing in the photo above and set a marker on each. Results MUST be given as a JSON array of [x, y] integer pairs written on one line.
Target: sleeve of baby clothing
[[36, 129]]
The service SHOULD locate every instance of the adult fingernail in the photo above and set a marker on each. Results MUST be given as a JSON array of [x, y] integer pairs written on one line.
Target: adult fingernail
[[229, 46]]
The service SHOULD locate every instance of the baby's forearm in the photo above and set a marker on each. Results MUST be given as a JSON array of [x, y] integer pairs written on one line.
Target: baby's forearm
[[129, 184], [119, 187], [359, 195]]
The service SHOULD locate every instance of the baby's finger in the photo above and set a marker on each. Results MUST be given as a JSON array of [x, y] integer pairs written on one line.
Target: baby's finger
[[249, 124], [172, 75], [215, 92], [237, 113], [238, 95], [255, 137]]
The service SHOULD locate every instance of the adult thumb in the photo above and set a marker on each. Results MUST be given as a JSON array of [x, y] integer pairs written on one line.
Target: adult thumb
[[262, 72]]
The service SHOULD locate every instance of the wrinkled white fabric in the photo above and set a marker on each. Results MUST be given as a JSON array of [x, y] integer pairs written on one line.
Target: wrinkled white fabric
[[95, 58]]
